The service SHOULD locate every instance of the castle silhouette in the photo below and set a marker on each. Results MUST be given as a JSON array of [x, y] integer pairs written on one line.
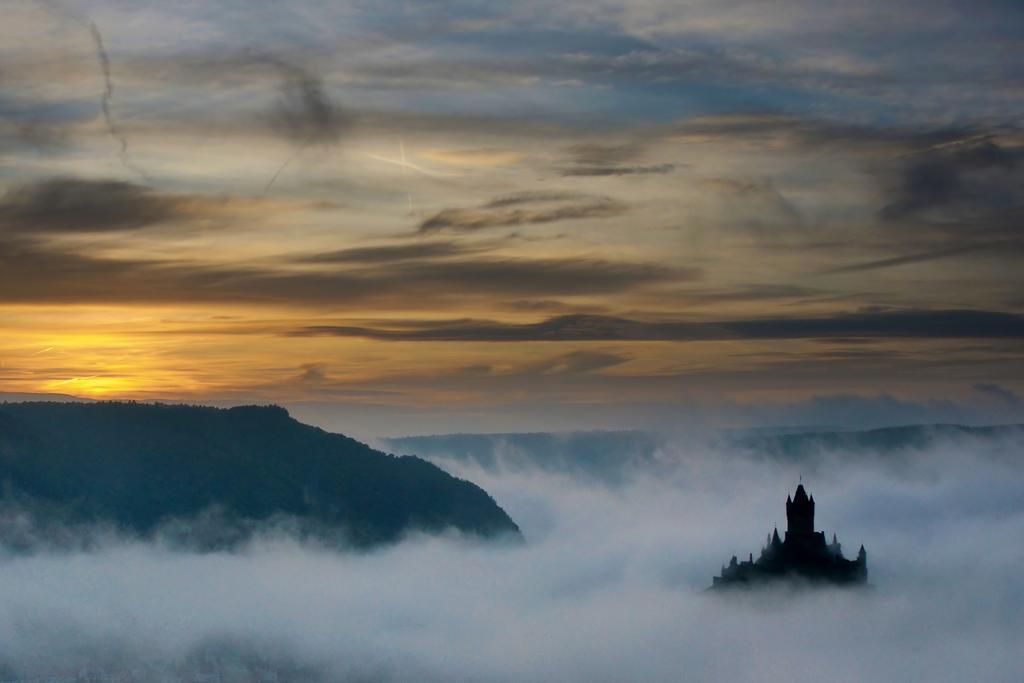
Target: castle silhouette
[[803, 554]]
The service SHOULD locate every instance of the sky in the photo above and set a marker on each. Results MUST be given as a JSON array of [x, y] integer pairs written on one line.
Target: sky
[[429, 216]]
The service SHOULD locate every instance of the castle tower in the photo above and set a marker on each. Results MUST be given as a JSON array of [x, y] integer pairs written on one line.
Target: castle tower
[[805, 553], [800, 513], [861, 564]]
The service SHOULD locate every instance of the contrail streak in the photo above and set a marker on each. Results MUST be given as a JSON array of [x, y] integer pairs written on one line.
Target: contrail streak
[[108, 93], [409, 164], [280, 169], [74, 379]]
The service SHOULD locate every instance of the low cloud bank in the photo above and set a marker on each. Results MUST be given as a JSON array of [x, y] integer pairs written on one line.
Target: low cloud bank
[[608, 586]]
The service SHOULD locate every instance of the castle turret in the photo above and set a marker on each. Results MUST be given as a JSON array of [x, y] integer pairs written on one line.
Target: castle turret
[[835, 547], [800, 513], [862, 565]]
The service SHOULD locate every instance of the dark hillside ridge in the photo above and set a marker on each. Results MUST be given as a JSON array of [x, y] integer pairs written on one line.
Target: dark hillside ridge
[[612, 457], [882, 440], [144, 468]]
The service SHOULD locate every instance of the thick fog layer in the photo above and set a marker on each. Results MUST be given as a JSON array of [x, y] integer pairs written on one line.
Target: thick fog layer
[[608, 586]]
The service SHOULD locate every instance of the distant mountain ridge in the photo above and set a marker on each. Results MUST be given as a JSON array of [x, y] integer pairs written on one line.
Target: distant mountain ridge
[[213, 475], [908, 437], [608, 457], [36, 397], [613, 456]]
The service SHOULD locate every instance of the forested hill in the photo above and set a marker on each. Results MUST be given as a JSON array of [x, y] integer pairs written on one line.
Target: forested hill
[[145, 468]]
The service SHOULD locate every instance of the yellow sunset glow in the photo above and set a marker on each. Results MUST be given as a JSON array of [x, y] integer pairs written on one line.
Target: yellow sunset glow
[[428, 233]]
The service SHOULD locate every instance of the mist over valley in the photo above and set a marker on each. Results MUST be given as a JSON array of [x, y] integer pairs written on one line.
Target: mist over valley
[[608, 583]]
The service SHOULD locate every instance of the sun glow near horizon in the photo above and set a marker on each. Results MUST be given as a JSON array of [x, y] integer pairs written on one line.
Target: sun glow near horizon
[[620, 217]]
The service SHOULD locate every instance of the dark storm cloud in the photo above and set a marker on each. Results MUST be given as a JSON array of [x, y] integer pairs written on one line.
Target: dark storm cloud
[[745, 292], [916, 258], [534, 197], [41, 136], [75, 205], [885, 324], [33, 271], [946, 192], [562, 366], [973, 178], [394, 252], [306, 114], [523, 209], [595, 159], [597, 171], [533, 277]]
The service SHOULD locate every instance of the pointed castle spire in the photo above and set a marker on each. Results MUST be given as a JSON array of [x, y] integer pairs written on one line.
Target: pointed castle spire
[[800, 513]]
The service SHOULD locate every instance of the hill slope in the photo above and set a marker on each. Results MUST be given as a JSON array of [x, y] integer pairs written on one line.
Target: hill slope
[[141, 467]]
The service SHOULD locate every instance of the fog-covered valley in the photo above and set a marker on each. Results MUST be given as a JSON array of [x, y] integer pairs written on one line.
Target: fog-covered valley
[[608, 586]]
